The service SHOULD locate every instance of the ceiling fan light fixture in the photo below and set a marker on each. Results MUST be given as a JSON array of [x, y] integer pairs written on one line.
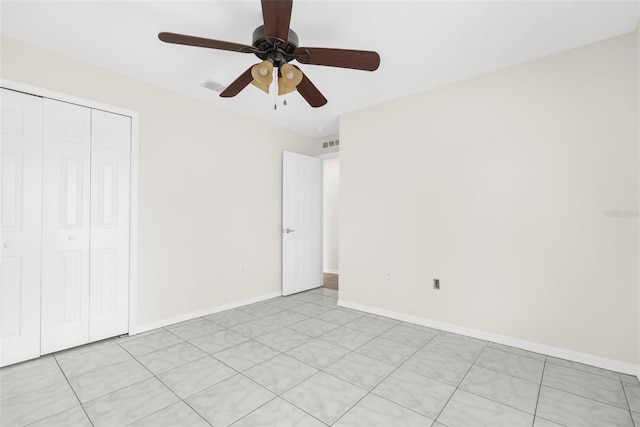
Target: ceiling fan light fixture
[[262, 74], [291, 75], [283, 87], [289, 80]]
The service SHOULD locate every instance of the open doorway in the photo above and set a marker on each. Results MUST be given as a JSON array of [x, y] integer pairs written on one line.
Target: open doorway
[[331, 192]]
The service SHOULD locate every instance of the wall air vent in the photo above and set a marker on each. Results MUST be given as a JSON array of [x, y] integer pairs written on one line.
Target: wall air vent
[[214, 86], [331, 144]]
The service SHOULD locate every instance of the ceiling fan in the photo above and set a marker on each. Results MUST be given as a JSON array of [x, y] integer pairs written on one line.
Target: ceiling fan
[[277, 45]]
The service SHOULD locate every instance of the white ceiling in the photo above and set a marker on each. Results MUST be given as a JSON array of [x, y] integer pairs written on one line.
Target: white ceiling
[[422, 44]]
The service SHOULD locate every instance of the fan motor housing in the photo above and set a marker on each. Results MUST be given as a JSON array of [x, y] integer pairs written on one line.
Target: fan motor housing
[[273, 48]]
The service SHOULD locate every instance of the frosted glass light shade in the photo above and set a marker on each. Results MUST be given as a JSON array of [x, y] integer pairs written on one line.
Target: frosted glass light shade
[[262, 74], [291, 77]]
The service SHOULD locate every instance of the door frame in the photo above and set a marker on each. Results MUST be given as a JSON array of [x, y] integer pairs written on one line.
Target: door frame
[[135, 143], [324, 156]]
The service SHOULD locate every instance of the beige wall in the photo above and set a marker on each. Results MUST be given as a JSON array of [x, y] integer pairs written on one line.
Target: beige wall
[[331, 211], [501, 187], [209, 193]]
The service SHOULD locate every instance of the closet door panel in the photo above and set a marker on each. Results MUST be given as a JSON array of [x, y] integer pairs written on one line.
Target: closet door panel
[[110, 206], [65, 225], [21, 184]]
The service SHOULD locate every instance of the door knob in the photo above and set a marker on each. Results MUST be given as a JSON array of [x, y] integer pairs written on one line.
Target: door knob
[[288, 230], [6, 245], [72, 237]]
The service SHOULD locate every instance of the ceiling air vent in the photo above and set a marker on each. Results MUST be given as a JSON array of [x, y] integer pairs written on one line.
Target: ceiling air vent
[[331, 144], [214, 86]]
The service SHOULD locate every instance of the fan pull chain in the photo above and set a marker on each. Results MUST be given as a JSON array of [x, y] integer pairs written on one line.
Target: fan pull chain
[[275, 91]]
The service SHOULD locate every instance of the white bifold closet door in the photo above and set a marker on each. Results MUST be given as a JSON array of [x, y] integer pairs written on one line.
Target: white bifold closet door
[[85, 227], [110, 219], [65, 225], [21, 229]]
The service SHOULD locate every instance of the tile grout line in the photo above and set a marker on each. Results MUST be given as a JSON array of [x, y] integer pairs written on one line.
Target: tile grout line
[[153, 375], [242, 372], [627, 399], [340, 358], [276, 396], [507, 374], [370, 392], [461, 380], [380, 335], [535, 411], [572, 365], [587, 398], [161, 382], [196, 412], [73, 390], [539, 388], [562, 390]]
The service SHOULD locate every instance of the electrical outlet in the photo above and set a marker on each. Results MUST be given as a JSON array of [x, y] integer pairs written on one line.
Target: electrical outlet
[[436, 283], [389, 277], [243, 270]]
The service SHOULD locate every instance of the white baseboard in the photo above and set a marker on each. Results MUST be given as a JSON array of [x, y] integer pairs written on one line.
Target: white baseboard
[[328, 270], [562, 353], [207, 311]]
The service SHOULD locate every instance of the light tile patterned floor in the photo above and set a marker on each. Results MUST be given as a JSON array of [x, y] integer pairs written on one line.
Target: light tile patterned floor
[[303, 361]]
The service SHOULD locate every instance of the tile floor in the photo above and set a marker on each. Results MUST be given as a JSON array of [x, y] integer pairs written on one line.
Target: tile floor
[[303, 361]]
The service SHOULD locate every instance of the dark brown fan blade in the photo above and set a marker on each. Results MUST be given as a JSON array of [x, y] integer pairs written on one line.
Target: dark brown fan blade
[[310, 93], [277, 17], [202, 42], [238, 84], [343, 58]]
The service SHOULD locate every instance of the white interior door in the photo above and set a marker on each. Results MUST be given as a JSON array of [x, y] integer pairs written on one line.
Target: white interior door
[[301, 223], [21, 227], [65, 225], [110, 200]]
